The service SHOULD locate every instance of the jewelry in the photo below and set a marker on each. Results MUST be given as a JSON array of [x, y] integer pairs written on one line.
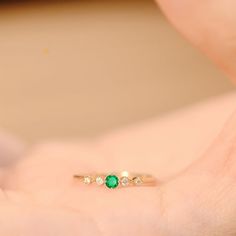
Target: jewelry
[[118, 179]]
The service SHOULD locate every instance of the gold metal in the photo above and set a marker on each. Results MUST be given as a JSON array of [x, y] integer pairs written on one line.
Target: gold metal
[[126, 179]]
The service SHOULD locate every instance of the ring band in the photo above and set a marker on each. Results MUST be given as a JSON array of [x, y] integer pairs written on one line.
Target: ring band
[[118, 179]]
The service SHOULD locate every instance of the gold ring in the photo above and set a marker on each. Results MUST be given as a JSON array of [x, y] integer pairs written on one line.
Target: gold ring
[[118, 179]]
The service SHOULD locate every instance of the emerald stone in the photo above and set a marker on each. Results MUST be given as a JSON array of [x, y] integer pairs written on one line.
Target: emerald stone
[[112, 181]]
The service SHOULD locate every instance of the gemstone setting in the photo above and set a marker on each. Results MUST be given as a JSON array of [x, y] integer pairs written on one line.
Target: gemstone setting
[[87, 180], [112, 181], [124, 181], [99, 180], [138, 181]]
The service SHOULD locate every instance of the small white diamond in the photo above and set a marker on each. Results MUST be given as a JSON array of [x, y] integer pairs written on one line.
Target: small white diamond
[[138, 180], [124, 181], [99, 180], [87, 180]]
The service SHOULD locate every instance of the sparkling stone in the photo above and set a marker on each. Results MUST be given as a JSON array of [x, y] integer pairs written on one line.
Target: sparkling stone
[[112, 181], [99, 180], [124, 181], [138, 181], [87, 180]]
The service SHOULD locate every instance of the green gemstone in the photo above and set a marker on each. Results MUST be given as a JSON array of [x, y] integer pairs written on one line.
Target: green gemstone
[[112, 181]]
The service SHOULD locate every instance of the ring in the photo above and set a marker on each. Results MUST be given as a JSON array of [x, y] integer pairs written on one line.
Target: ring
[[118, 179]]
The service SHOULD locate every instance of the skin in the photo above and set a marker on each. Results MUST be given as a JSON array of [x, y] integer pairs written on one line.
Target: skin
[[209, 25], [194, 160]]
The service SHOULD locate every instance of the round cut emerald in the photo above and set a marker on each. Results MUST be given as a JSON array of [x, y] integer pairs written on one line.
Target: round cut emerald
[[112, 181]]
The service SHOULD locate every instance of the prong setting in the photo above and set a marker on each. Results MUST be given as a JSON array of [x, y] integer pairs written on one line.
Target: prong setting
[[112, 181], [87, 180], [99, 180], [137, 180], [124, 181]]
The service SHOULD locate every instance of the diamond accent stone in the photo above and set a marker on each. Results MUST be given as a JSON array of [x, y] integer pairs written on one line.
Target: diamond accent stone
[[137, 180], [124, 181], [87, 180], [99, 180]]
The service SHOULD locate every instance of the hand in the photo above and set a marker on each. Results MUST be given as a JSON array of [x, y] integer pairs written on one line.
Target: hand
[[39, 196]]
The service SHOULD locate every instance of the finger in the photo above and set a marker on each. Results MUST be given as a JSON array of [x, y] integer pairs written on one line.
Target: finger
[[208, 24]]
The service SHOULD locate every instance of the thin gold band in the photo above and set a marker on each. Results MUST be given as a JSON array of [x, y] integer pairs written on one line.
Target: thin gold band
[[118, 179]]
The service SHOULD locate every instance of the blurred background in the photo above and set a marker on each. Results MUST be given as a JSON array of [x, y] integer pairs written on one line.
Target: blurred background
[[81, 68]]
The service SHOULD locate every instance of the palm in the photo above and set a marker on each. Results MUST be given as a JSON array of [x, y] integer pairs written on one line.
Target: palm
[[42, 184]]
